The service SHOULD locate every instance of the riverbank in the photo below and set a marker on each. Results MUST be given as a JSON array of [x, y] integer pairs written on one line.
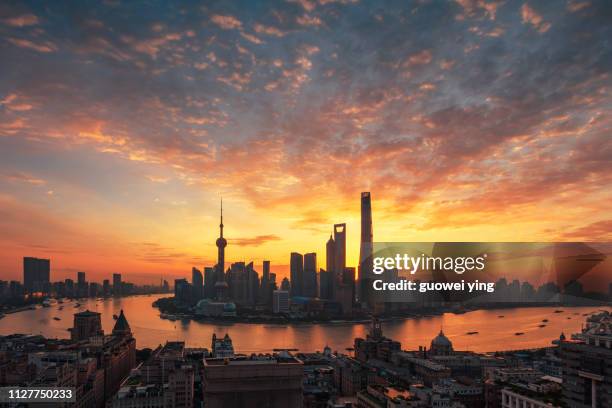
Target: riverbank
[[170, 311]]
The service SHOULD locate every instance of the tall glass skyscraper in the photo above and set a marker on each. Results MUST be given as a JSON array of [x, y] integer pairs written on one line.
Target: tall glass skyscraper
[[365, 251]]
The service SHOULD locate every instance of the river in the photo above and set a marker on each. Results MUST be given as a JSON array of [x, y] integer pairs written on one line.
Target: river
[[494, 333]]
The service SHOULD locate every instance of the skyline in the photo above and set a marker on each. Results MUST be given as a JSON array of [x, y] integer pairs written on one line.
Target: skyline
[[117, 139]]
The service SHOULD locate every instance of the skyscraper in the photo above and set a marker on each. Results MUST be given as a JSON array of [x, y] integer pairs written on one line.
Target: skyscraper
[[296, 266], [197, 281], [339, 251], [220, 283], [117, 284], [309, 280], [209, 282], [82, 286], [365, 250], [36, 273], [330, 254]]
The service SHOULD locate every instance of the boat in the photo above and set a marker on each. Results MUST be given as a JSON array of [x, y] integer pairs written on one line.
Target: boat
[[558, 311], [60, 308], [519, 333], [544, 320], [500, 316], [471, 333], [542, 325], [46, 303], [56, 318]]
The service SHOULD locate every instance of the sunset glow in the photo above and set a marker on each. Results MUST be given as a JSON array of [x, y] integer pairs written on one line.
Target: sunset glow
[[122, 127]]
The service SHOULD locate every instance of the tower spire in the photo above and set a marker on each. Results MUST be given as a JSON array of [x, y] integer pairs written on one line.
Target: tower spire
[[221, 225]]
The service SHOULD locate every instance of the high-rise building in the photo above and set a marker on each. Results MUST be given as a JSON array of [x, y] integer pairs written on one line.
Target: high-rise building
[[117, 284], [183, 291], [86, 324], [36, 273], [365, 251], [280, 301], [106, 287], [309, 279], [197, 281], [339, 251], [296, 268], [82, 286], [325, 284], [243, 282], [220, 282], [265, 291], [209, 283], [330, 254], [285, 285]]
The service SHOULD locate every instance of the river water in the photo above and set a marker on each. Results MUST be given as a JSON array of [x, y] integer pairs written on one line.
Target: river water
[[494, 333]]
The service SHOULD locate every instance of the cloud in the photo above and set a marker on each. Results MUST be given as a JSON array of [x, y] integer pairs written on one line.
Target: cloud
[[21, 177], [255, 241], [40, 47], [22, 20], [597, 231], [530, 16], [268, 30], [226, 22]]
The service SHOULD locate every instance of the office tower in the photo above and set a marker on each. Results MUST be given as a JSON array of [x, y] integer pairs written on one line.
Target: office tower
[[69, 287], [365, 251], [265, 290], [248, 382], [309, 281], [198, 284], [330, 254], [221, 285], [266, 272], [94, 289], [285, 285], [209, 282], [280, 301], [296, 267], [243, 283], [182, 290], [339, 250], [117, 284], [348, 279], [330, 259], [82, 286], [106, 288], [86, 324], [36, 273], [325, 284]]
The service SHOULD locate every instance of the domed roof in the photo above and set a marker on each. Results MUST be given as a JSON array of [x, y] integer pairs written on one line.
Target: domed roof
[[441, 340], [202, 302]]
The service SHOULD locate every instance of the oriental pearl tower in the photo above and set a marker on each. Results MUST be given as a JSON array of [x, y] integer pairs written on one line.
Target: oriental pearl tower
[[220, 283]]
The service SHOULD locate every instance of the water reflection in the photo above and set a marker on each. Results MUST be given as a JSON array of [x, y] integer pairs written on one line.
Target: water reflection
[[494, 332]]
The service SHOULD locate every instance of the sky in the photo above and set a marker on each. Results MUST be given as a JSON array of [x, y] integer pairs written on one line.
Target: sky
[[122, 124]]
